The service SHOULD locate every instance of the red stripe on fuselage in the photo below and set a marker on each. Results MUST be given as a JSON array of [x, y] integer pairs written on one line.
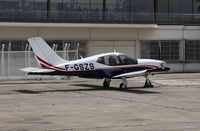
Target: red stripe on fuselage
[[109, 68], [49, 64], [144, 66], [113, 68], [45, 67]]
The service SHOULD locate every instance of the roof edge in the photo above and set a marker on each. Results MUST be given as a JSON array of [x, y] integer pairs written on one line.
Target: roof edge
[[77, 25]]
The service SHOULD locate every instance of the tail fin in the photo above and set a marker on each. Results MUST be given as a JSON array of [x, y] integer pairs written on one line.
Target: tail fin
[[44, 54]]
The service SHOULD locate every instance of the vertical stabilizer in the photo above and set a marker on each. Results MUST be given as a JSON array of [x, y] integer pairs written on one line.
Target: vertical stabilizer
[[44, 54]]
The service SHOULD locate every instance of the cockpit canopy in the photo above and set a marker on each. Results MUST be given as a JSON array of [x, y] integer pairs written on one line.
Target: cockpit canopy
[[115, 60]]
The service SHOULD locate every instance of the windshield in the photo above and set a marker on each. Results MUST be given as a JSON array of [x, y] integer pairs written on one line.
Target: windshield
[[126, 60]]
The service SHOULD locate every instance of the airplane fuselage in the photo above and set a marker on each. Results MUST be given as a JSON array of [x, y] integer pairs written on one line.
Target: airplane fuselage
[[90, 67]]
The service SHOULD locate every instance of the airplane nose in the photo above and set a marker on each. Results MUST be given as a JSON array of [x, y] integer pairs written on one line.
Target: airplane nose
[[162, 63], [164, 68]]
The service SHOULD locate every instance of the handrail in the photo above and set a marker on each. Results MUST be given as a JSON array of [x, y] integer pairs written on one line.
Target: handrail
[[98, 17]]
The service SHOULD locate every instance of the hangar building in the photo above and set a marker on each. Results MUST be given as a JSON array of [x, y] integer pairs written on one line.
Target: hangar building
[[158, 29]]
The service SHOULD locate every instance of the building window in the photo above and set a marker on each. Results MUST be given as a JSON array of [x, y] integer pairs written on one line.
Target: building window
[[164, 50], [76, 9], [174, 6], [162, 6], [170, 50], [96, 9], [186, 6], [143, 6], [118, 5], [75, 5], [196, 8], [11, 5], [150, 49], [118, 10], [142, 11], [192, 50]]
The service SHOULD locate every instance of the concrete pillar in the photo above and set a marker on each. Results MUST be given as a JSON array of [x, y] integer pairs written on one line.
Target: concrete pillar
[[2, 61], [182, 54], [137, 49], [182, 50]]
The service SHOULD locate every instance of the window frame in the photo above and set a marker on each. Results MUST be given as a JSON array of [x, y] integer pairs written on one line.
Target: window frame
[[159, 47], [195, 52]]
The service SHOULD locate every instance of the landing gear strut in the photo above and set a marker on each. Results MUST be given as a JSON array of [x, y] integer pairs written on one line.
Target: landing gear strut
[[147, 82], [106, 82], [123, 85]]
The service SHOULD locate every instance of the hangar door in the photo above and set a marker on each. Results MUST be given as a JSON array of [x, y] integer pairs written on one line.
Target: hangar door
[[97, 47]]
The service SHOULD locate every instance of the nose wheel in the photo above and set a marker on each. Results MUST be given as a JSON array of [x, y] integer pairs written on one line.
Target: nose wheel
[[106, 82], [148, 82], [123, 85]]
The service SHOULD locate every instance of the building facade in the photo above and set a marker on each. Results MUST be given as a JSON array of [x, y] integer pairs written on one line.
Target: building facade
[[159, 29]]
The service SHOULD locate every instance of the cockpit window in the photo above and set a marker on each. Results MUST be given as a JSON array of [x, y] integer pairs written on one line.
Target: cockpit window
[[126, 60], [101, 60], [114, 60], [106, 60]]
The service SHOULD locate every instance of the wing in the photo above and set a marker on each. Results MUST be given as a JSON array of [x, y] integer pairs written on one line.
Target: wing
[[36, 70], [132, 74], [142, 72]]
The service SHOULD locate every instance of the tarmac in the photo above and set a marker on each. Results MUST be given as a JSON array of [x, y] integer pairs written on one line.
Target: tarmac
[[83, 104]]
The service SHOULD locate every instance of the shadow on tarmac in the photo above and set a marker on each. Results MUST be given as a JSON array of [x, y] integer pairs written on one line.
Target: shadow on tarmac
[[90, 87]]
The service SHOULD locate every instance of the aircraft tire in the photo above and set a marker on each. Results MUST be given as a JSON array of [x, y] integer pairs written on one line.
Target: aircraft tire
[[148, 84], [122, 86], [106, 84]]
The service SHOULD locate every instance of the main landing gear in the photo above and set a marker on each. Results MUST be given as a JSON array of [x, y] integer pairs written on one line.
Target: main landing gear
[[148, 82], [124, 83], [122, 86], [106, 82]]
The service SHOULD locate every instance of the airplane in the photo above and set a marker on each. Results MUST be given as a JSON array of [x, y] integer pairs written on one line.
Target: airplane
[[105, 66]]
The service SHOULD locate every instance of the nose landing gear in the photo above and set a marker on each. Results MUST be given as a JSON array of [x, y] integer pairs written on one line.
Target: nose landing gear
[[148, 82]]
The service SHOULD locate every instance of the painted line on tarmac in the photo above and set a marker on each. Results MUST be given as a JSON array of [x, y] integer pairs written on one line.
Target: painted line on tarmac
[[159, 84]]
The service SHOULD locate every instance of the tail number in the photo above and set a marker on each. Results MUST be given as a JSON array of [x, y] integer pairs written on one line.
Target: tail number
[[85, 66]]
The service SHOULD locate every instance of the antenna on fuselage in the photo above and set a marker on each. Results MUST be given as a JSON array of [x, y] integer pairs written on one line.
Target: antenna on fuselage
[[114, 51]]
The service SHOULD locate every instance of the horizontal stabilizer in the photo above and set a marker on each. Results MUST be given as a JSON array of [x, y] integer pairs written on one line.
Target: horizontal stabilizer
[[131, 74], [36, 70]]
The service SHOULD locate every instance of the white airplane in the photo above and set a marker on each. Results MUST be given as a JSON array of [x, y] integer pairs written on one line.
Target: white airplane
[[105, 66]]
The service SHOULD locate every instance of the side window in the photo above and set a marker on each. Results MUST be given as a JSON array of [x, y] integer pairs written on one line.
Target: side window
[[113, 60], [106, 59], [125, 60], [101, 60]]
